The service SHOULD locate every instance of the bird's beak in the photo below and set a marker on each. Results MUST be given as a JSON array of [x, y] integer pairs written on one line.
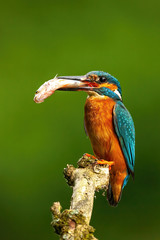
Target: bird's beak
[[65, 83]]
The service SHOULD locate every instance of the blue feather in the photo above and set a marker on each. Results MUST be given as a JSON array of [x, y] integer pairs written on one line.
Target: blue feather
[[125, 131], [107, 92], [125, 181]]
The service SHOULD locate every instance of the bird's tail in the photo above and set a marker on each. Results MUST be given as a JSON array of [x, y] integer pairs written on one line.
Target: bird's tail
[[114, 195]]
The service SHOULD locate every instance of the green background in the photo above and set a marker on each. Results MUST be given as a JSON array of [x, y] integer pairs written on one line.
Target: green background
[[39, 39]]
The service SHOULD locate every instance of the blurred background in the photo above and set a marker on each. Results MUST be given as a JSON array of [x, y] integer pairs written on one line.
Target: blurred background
[[39, 39]]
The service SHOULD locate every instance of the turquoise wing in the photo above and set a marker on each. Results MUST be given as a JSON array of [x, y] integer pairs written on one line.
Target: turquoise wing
[[124, 128]]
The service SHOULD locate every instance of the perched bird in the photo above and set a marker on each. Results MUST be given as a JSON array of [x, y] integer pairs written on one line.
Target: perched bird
[[108, 124]]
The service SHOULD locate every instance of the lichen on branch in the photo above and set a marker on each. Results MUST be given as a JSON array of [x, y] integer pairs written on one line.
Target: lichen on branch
[[73, 224]]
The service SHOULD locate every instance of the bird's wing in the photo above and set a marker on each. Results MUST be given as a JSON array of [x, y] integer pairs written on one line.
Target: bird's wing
[[124, 128]]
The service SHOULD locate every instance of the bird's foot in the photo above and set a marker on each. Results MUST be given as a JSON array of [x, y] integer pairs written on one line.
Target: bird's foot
[[104, 162], [89, 155]]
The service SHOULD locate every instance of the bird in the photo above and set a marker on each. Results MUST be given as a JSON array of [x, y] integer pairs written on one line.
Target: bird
[[107, 122]]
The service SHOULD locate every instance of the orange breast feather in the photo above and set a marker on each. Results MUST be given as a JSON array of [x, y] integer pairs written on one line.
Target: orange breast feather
[[100, 129]]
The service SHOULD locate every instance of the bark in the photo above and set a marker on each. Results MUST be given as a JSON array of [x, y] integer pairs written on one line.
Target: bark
[[73, 224]]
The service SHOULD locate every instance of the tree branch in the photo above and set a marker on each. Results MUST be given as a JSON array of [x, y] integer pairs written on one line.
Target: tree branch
[[73, 224]]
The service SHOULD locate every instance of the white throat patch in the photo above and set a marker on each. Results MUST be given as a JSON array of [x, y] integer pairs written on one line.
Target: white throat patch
[[118, 94]]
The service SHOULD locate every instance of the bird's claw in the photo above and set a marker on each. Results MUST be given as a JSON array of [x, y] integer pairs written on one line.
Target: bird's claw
[[104, 162]]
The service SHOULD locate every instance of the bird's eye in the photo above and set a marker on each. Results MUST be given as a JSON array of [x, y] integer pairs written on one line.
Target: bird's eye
[[102, 79]]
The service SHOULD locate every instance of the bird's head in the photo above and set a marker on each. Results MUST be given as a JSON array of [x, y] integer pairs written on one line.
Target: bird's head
[[105, 84], [95, 83]]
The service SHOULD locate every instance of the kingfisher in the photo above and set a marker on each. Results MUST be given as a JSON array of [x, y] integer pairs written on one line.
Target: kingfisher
[[107, 121]]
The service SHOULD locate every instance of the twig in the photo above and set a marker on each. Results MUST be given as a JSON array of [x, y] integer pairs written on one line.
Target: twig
[[73, 224]]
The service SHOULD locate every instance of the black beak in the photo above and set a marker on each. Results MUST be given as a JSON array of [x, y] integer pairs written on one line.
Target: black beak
[[75, 83]]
